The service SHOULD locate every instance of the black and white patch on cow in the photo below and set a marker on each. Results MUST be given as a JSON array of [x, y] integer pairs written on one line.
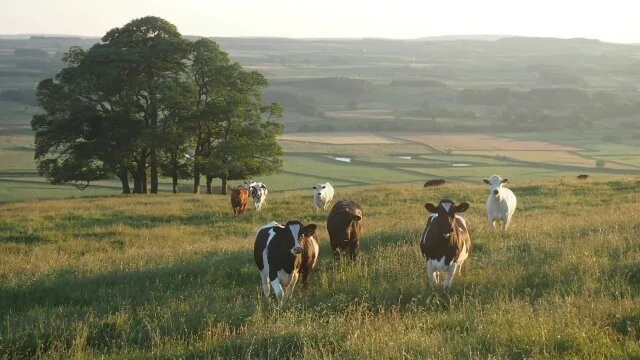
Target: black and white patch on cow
[[281, 257], [445, 242]]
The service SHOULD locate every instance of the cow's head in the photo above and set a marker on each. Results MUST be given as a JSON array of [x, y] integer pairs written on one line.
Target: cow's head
[[319, 188], [446, 212], [495, 183], [258, 189], [298, 231]]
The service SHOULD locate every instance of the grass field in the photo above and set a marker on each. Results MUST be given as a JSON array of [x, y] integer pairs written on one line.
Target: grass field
[[172, 276]]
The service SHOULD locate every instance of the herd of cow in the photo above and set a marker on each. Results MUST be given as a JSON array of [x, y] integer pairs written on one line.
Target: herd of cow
[[283, 253]]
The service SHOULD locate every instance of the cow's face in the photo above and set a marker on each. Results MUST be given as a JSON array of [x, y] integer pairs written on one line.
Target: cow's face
[[495, 183], [318, 189], [297, 231], [446, 211], [351, 227], [257, 190]]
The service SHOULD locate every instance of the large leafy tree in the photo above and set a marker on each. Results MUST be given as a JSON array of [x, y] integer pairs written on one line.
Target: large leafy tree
[[150, 52], [232, 139], [109, 121], [146, 101], [85, 133]]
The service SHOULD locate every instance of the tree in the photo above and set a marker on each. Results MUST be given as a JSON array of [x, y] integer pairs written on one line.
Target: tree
[[79, 138], [142, 101], [232, 140], [110, 106], [150, 51]]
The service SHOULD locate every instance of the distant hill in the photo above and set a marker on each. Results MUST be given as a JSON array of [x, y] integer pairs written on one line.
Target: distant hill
[[464, 37]]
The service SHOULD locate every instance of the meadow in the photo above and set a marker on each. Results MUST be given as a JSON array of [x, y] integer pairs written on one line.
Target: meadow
[[172, 276]]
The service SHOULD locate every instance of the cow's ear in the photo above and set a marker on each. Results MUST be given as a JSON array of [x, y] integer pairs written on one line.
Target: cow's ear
[[462, 207], [431, 208], [309, 230], [263, 186], [504, 181], [356, 217], [486, 181]]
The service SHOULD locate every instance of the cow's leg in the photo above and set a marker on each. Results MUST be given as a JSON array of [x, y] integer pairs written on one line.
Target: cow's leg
[[505, 223], [277, 289], [451, 272], [353, 251], [266, 288], [292, 284], [336, 253], [492, 224], [432, 274]]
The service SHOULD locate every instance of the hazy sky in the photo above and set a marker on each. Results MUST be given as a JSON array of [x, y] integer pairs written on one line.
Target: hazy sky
[[612, 20]]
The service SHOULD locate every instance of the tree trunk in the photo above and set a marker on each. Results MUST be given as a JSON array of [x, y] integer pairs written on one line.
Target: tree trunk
[[124, 179], [209, 181], [153, 163], [223, 191], [175, 183], [153, 160], [196, 181], [140, 178]]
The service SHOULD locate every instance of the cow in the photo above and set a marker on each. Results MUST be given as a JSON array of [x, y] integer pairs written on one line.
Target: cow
[[435, 182], [259, 193], [501, 202], [583, 177], [239, 199], [344, 225], [283, 253], [322, 195], [445, 242]]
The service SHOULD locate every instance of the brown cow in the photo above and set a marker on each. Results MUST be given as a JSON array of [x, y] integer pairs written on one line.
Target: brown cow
[[344, 228], [435, 182], [445, 242], [583, 177], [239, 199]]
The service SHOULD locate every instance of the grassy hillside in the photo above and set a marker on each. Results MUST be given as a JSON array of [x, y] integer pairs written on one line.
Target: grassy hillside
[[172, 276]]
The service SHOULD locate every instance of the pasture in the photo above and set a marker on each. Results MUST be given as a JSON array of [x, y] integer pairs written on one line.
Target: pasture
[[172, 276]]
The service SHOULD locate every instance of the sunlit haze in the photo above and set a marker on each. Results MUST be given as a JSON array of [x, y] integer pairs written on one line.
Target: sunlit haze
[[610, 21]]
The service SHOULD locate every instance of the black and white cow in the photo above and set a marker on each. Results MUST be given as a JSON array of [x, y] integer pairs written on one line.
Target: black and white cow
[[283, 253], [258, 194], [445, 242]]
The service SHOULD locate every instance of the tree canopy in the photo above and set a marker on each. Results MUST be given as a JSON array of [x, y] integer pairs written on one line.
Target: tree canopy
[[144, 103]]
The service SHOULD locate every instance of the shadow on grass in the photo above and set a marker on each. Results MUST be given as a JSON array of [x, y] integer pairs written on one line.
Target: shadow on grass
[[214, 285], [106, 292]]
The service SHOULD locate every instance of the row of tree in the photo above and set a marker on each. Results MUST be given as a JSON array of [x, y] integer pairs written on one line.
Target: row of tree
[[146, 102]]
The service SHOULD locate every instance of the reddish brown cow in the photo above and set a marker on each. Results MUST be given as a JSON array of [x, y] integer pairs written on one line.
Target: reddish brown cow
[[239, 199], [445, 242], [344, 227]]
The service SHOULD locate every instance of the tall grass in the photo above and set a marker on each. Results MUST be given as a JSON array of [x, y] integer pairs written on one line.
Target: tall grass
[[172, 276]]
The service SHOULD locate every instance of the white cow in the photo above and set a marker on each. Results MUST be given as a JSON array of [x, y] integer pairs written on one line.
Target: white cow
[[501, 203], [322, 195], [259, 193]]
